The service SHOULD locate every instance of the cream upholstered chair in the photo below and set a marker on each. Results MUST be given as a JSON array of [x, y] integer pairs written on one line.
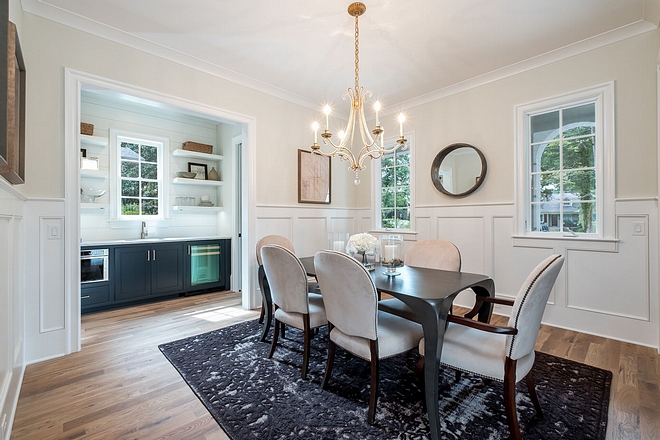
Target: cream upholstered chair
[[355, 324], [503, 353], [280, 240], [432, 254], [294, 305]]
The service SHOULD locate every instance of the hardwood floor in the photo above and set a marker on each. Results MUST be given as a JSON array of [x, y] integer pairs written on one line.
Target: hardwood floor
[[121, 387]]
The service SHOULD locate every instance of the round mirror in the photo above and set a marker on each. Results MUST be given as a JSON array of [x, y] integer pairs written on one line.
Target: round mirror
[[458, 170]]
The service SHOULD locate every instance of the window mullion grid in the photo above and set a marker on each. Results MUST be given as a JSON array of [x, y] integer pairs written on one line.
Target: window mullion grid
[[561, 170]]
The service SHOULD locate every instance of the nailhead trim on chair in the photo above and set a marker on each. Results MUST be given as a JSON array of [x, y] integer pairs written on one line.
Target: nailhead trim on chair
[[513, 338]]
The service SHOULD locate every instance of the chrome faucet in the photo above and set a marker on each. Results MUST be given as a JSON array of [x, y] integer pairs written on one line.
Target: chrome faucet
[[144, 232]]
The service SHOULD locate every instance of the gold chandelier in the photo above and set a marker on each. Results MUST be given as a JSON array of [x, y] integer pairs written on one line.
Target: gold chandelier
[[373, 147]]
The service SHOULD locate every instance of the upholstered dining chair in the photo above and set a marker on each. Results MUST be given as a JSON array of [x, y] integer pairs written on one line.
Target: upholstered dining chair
[[432, 254], [354, 321], [294, 305], [264, 288], [505, 354]]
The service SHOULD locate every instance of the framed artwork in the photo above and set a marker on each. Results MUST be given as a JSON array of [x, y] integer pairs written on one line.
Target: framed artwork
[[314, 178], [199, 169], [12, 105]]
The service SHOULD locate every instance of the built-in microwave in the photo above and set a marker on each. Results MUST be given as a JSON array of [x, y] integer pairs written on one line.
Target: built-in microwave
[[94, 265]]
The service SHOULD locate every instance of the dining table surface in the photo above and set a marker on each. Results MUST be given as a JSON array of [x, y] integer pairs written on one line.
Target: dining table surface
[[430, 294]]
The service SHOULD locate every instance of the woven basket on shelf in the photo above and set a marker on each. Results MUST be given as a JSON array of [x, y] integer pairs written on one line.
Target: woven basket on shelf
[[200, 148], [86, 128]]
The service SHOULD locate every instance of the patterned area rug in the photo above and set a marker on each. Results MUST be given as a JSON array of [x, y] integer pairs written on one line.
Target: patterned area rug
[[253, 397]]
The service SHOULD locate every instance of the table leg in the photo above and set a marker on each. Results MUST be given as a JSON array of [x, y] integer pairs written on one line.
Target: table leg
[[434, 332], [267, 302]]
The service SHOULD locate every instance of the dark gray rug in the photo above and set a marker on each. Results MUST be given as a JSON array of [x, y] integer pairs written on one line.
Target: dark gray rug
[[253, 397]]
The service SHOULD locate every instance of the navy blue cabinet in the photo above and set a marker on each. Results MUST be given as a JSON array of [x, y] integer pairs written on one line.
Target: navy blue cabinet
[[142, 271]]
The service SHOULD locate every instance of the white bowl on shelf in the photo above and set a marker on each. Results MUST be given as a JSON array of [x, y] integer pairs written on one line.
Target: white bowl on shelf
[[186, 174], [92, 193]]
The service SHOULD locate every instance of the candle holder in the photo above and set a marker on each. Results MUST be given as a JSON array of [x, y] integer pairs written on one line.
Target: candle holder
[[337, 241], [392, 253]]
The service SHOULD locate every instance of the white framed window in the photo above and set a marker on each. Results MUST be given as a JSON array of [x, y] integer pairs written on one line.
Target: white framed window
[[565, 165], [393, 188], [138, 167]]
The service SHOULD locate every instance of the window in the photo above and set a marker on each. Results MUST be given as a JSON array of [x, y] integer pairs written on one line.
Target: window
[[566, 174], [393, 189], [138, 172]]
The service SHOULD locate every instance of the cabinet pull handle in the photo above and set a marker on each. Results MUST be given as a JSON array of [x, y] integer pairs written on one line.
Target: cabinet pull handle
[[148, 255], [154, 257], [188, 249], [85, 297]]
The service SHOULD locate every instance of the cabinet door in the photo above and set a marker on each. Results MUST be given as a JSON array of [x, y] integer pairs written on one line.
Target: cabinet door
[[132, 272], [167, 268]]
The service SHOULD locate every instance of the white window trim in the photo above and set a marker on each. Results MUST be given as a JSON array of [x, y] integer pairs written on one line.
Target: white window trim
[[603, 96], [376, 188], [164, 169]]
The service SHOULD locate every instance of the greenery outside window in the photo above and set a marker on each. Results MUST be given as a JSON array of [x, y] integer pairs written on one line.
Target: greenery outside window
[[393, 190], [139, 173], [565, 164]]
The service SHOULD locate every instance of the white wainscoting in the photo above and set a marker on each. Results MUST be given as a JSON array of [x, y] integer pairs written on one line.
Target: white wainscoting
[[606, 288], [47, 300], [12, 301]]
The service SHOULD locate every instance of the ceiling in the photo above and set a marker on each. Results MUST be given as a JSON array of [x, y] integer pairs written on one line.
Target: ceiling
[[410, 51]]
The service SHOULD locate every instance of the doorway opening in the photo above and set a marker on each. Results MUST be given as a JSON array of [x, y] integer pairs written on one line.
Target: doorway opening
[[235, 135]]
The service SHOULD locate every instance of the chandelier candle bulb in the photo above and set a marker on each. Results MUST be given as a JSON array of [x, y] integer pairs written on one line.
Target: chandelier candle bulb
[[326, 110]]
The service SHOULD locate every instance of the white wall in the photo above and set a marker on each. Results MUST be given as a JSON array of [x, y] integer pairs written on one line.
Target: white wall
[[605, 288], [177, 127]]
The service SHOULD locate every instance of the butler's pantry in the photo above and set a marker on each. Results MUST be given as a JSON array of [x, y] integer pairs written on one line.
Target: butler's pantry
[[159, 191]]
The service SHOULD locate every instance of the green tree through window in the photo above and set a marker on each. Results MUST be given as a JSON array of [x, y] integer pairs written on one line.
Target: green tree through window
[[139, 184], [564, 170], [395, 190]]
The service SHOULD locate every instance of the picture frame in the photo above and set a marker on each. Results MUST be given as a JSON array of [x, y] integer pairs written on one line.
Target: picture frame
[[314, 178], [12, 105], [200, 170]]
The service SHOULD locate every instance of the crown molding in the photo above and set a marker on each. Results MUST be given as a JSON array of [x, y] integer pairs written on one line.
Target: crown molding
[[580, 47], [58, 15]]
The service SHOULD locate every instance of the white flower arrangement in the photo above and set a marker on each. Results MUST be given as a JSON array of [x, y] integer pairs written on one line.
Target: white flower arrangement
[[363, 244]]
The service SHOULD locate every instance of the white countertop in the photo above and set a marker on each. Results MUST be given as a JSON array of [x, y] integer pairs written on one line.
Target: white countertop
[[148, 240]]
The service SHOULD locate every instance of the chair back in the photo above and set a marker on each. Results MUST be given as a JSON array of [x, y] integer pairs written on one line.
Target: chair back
[[286, 277], [529, 306], [349, 294], [434, 254], [273, 239]]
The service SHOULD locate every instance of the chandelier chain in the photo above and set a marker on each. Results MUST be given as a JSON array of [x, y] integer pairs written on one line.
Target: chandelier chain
[[357, 53]]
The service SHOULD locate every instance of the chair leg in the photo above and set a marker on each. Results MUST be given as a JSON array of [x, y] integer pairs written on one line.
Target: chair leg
[[532, 393], [458, 375], [419, 366], [274, 343], [510, 398], [306, 343], [373, 345], [263, 312], [331, 359]]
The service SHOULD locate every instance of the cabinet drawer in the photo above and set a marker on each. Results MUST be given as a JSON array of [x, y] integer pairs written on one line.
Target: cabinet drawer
[[94, 295]]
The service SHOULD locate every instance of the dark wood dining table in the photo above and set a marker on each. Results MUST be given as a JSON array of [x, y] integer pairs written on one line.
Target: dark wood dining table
[[430, 294]]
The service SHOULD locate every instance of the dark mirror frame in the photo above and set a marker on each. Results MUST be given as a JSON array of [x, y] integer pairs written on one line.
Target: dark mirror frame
[[435, 169]]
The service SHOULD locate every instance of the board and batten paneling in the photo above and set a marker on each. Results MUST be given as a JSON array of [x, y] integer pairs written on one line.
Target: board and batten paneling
[[605, 288], [12, 300]]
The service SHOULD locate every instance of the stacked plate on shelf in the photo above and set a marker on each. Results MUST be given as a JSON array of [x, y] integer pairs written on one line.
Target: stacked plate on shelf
[[205, 203]]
